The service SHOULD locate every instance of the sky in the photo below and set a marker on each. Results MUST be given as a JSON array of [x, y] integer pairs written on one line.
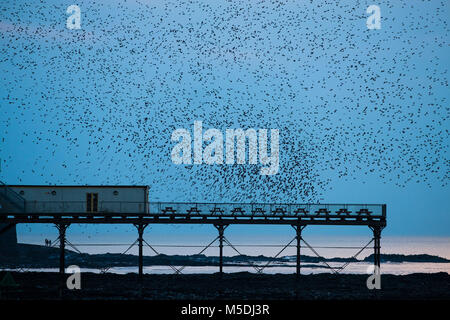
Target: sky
[[363, 114]]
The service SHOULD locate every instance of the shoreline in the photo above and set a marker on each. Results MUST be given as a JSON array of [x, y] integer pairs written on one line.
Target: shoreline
[[37, 257]]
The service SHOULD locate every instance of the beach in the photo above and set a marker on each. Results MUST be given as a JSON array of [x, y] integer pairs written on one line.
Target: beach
[[242, 286]]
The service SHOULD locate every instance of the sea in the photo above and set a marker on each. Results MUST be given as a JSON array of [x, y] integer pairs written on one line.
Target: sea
[[323, 245]]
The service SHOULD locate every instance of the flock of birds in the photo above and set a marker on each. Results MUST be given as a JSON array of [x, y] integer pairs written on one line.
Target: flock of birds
[[99, 105]]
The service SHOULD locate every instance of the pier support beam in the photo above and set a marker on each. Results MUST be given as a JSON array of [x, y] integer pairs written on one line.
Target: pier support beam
[[221, 228], [298, 229], [377, 246], [62, 227], [140, 229], [8, 239]]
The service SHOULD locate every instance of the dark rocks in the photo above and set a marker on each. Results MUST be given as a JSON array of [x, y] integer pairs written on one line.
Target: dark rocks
[[32, 285]]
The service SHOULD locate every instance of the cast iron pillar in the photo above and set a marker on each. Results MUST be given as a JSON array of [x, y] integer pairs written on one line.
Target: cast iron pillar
[[140, 229], [377, 246], [298, 229], [220, 228], [62, 227]]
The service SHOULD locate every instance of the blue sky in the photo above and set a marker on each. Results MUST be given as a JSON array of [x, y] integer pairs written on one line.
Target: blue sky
[[362, 114]]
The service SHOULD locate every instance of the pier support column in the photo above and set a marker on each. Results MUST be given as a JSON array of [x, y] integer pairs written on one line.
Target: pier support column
[[140, 229], [220, 228], [8, 239], [62, 227], [298, 229], [377, 246]]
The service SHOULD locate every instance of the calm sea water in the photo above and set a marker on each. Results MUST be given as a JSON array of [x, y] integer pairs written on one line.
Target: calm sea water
[[353, 268], [327, 246]]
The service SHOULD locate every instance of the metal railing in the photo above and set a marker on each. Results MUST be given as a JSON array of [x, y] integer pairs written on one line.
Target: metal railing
[[13, 197], [265, 209], [112, 207], [210, 209]]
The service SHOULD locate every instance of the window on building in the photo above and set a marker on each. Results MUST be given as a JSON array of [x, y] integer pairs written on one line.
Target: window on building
[[91, 202]]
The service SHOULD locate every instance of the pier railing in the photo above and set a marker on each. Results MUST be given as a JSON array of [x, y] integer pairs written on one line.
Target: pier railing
[[208, 209]]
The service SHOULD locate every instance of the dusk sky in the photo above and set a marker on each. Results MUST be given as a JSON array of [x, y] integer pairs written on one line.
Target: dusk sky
[[363, 115]]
